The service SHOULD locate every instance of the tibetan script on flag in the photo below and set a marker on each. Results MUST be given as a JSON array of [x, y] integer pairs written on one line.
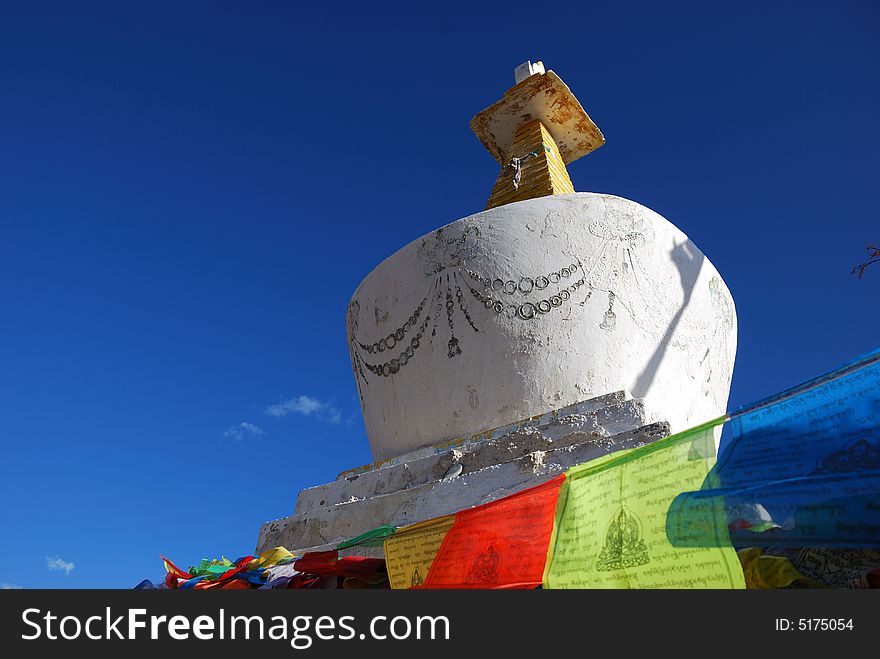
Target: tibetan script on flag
[[611, 521]]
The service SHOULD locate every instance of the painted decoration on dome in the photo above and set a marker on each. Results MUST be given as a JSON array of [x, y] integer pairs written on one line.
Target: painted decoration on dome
[[461, 295]]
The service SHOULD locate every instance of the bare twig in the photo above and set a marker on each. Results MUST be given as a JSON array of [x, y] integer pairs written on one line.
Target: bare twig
[[873, 257]]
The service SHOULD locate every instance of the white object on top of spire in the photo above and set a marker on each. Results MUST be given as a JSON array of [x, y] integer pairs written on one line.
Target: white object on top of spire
[[527, 69]]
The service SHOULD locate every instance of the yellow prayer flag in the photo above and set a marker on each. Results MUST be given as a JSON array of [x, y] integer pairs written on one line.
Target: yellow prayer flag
[[269, 557], [767, 572], [410, 552]]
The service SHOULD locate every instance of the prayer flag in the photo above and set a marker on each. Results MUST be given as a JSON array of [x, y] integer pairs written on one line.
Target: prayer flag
[[373, 538], [611, 521], [410, 552], [800, 469], [764, 572], [502, 544]]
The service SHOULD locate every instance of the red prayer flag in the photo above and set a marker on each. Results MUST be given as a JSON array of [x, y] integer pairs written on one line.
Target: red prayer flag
[[173, 569], [502, 544], [328, 564]]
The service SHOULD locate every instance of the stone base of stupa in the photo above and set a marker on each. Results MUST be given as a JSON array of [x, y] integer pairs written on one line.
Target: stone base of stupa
[[440, 480]]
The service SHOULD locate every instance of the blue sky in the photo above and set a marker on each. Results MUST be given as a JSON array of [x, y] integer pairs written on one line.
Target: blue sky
[[190, 192]]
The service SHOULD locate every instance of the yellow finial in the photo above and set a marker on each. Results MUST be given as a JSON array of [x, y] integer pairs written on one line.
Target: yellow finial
[[535, 169], [533, 131]]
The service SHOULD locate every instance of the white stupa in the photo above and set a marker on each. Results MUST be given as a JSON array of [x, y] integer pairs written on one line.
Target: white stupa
[[548, 329]]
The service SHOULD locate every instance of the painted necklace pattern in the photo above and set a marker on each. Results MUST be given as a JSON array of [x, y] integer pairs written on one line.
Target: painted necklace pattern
[[614, 267]]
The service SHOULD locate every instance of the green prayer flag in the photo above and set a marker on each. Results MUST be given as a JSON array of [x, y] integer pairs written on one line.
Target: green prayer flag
[[610, 529], [372, 538], [208, 568]]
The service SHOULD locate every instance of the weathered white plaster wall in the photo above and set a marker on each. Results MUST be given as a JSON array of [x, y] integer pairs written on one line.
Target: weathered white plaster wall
[[459, 331]]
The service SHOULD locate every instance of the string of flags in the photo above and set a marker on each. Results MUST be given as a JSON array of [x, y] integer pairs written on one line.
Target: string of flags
[[792, 501], [800, 469]]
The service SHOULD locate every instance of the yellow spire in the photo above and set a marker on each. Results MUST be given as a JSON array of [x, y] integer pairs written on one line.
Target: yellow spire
[[535, 169], [534, 131]]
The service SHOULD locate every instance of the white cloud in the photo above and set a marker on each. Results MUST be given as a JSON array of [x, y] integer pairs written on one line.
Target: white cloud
[[307, 406], [59, 564], [243, 430], [9, 586]]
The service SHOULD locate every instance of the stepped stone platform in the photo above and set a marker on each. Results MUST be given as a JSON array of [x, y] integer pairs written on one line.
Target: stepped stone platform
[[440, 480]]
